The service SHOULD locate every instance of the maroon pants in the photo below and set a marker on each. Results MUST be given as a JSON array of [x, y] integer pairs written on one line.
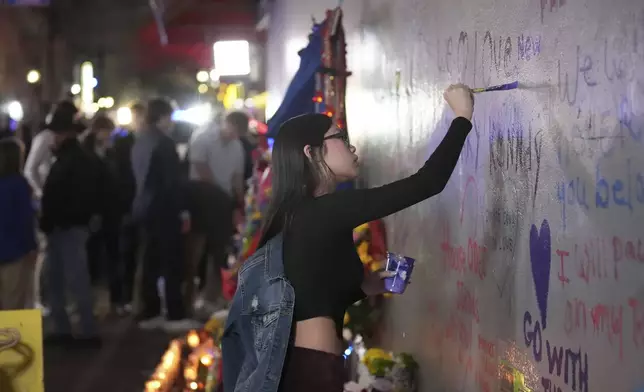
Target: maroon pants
[[307, 370]]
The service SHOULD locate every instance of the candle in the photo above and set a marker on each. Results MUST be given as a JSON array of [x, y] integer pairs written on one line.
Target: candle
[[153, 385], [193, 339], [190, 373], [206, 360]]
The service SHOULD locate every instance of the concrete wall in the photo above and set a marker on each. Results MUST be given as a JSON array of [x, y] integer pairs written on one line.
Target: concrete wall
[[534, 253]]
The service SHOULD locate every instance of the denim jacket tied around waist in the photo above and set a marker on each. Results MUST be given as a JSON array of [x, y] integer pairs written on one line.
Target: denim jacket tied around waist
[[257, 332]]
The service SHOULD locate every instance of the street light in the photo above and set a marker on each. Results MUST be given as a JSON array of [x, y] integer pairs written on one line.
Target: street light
[[75, 89], [14, 110], [106, 102], [202, 76], [232, 58], [124, 116], [109, 102], [33, 76], [88, 83], [203, 88]]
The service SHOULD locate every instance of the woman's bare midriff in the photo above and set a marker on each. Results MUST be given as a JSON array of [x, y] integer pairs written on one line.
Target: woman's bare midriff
[[318, 334]]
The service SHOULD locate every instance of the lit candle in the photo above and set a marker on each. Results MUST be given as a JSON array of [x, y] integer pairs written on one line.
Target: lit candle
[[166, 371], [193, 339], [206, 360], [190, 373], [153, 385]]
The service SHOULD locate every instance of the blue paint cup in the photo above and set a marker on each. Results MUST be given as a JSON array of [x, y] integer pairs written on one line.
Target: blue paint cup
[[402, 266]]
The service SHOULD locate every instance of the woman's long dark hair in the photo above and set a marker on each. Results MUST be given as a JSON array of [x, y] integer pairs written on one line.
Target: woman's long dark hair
[[295, 176]]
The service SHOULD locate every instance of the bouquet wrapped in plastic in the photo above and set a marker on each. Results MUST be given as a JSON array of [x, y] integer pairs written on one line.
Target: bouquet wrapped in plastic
[[364, 316], [382, 371]]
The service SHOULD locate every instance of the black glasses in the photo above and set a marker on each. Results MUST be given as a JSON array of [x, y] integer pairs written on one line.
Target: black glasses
[[342, 135]]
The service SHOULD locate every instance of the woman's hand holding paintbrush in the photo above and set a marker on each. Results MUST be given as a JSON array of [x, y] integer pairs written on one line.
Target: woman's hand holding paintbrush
[[460, 99]]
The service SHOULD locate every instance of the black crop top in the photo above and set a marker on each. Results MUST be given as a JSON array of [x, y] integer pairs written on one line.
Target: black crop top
[[320, 259]]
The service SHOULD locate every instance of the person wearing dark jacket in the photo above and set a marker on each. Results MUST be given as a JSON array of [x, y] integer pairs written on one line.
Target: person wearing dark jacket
[[119, 155], [104, 239], [72, 197], [158, 207]]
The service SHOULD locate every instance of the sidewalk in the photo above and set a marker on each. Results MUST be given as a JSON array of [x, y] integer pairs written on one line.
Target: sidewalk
[[123, 364]]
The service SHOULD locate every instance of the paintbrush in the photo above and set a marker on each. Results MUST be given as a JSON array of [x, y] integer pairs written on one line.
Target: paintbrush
[[501, 87]]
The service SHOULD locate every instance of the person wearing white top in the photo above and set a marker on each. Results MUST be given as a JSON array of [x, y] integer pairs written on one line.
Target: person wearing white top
[[37, 167], [216, 158], [39, 161]]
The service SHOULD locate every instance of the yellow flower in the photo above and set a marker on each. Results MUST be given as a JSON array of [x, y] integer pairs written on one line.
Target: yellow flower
[[213, 324], [362, 228], [215, 328], [377, 361], [376, 265], [374, 353], [363, 253]]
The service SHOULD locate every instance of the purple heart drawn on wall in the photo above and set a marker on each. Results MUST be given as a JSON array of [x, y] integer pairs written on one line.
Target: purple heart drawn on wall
[[540, 260]]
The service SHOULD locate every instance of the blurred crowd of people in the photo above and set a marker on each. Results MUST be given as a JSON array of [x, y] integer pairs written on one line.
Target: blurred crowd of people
[[88, 205]]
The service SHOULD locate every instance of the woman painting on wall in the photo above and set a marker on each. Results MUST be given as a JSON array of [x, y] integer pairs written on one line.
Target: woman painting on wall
[[284, 329]]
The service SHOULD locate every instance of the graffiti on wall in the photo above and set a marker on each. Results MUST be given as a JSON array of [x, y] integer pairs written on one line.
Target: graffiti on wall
[[517, 139], [598, 154]]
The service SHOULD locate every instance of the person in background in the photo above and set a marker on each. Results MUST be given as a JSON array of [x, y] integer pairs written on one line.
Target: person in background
[[71, 199], [39, 161], [216, 175], [119, 157], [104, 239], [138, 117], [158, 207], [96, 138], [238, 121], [18, 248]]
